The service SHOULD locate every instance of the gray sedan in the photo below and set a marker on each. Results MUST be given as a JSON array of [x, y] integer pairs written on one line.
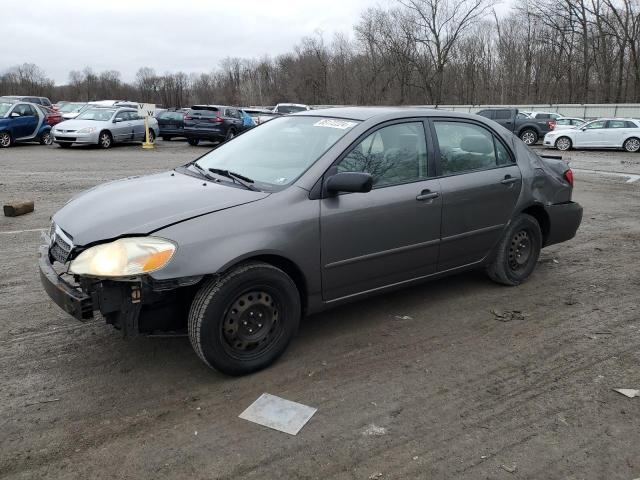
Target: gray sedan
[[103, 127], [301, 214]]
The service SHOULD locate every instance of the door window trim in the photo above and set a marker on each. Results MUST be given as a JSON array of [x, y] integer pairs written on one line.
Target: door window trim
[[496, 137], [319, 192]]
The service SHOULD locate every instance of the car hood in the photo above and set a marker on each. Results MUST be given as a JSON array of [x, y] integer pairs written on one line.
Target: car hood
[[141, 205], [78, 124]]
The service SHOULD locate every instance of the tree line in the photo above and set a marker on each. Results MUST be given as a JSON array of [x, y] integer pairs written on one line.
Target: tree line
[[411, 52]]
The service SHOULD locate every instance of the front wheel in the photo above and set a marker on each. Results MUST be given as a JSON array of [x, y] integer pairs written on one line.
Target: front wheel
[[244, 320], [152, 136], [105, 140], [631, 144], [517, 253], [5, 139], [193, 141], [563, 143], [528, 136]]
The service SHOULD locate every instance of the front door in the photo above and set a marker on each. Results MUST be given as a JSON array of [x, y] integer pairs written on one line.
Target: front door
[[26, 123], [593, 134], [122, 129], [480, 184], [390, 234]]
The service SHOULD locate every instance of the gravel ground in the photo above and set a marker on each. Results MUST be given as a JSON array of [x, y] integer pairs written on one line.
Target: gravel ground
[[422, 383]]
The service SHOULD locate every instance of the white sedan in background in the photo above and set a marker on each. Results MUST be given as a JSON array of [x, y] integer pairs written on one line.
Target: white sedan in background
[[603, 133], [568, 122]]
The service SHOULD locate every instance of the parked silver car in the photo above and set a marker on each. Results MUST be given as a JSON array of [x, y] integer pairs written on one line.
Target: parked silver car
[[104, 126], [302, 213]]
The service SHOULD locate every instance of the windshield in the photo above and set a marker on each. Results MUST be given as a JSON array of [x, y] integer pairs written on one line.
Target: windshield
[[276, 153], [4, 108], [290, 109], [99, 114], [70, 107]]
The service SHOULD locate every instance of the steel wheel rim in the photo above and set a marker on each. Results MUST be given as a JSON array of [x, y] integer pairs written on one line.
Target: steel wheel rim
[[5, 139], [528, 138], [632, 145], [563, 144], [520, 249], [105, 141], [252, 324]]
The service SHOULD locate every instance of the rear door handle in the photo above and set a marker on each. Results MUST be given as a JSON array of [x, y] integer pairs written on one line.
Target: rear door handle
[[508, 179], [427, 195]]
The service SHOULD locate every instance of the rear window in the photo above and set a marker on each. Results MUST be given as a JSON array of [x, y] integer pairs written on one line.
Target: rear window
[[171, 115], [203, 113], [204, 108], [290, 109]]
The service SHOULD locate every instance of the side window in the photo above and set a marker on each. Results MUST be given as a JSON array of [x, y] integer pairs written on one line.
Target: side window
[[392, 155], [121, 117], [617, 124], [19, 109], [486, 113], [503, 114], [31, 111], [629, 124], [563, 121], [597, 124], [465, 147]]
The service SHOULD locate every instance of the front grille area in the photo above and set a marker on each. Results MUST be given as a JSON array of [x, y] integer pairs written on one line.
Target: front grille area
[[65, 139], [60, 250]]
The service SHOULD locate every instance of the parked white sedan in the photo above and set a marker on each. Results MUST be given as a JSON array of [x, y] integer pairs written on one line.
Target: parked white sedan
[[603, 133]]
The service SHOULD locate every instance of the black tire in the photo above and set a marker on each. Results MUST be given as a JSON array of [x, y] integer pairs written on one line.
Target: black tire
[[244, 320], [563, 144], [230, 134], [529, 136], [46, 138], [105, 140], [166, 138], [152, 136], [64, 145], [193, 141], [517, 253], [631, 145], [5, 140]]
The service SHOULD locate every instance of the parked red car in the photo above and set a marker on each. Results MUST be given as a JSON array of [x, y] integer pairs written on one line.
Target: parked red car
[[51, 117]]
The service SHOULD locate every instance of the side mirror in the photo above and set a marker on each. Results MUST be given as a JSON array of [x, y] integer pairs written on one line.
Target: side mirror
[[14, 115], [354, 182]]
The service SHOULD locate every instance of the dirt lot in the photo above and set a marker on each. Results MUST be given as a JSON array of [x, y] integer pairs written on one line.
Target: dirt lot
[[456, 391]]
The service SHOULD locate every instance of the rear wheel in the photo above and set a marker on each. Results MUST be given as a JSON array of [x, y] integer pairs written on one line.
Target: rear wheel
[[152, 136], [193, 141], [5, 139], [105, 140], [528, 136], [46, 138], [244, 320], [563, 143], [517, 253], [230, 134], [631, 144]]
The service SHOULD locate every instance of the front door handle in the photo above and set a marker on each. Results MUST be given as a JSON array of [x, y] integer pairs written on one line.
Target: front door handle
[[508, 179], [427, 195]]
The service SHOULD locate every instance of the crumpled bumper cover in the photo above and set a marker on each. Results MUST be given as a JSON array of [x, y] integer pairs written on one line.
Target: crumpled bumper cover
[[71, 299], [564, 220]]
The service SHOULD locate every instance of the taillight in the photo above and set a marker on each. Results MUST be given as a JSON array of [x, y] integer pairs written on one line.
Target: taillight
[[551, 124], [568, 176], [218, 120], [187, 117]]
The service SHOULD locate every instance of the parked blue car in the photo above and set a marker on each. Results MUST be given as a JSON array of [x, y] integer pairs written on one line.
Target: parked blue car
[[22, 122]]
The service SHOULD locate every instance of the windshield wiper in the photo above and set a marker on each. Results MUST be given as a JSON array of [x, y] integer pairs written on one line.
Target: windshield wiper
[[202, 171], [236, 177]]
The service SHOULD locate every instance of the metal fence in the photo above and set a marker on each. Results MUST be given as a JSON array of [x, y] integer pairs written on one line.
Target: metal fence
[[587, 111]]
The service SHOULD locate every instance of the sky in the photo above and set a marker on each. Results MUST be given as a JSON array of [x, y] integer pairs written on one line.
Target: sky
[[167, 35]]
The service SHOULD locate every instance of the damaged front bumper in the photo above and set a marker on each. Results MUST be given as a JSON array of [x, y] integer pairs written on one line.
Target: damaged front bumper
[[133, 306]]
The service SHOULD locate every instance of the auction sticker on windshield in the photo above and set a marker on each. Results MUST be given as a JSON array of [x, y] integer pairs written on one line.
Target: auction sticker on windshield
[[332, 123]]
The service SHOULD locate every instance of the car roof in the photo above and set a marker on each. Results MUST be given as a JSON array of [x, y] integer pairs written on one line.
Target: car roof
[[365, 113]]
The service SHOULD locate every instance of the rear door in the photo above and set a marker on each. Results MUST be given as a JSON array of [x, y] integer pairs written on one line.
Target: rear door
[[390, 234], [617, 132], [505, 117], [480, 184]]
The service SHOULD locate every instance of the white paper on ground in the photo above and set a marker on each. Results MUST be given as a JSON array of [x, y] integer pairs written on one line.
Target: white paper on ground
[[278, 413]]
